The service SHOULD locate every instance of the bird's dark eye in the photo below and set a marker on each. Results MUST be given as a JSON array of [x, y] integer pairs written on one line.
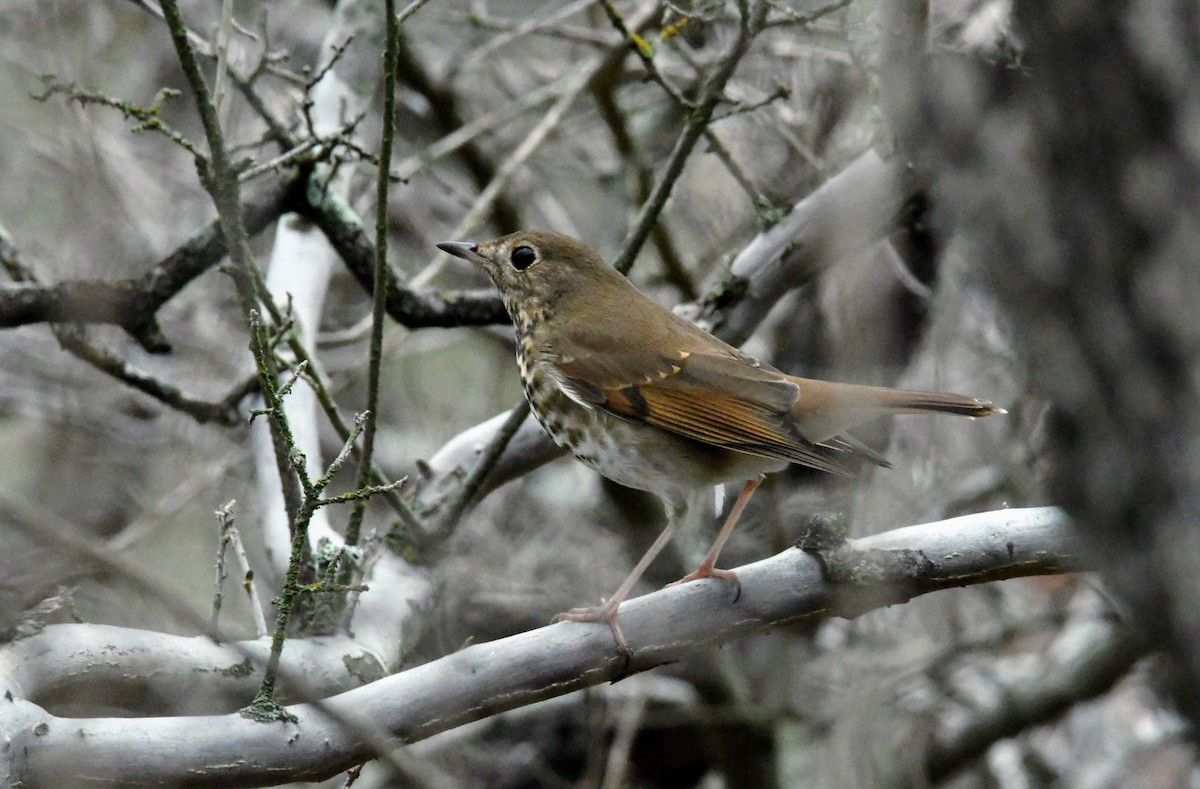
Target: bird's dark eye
[[523, 257]]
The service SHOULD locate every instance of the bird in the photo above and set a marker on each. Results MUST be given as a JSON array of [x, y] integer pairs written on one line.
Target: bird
[[653, 402]]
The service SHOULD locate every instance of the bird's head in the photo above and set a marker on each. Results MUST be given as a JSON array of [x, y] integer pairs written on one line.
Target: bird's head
[[538, 272]]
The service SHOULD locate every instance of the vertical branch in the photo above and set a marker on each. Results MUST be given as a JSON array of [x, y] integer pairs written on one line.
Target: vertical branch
[[220, 179], [224, 523], [379, 285], [221, 75], [264, 705], [905, 28]]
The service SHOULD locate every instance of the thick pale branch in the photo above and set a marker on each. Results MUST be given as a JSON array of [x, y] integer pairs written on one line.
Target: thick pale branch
[[152, 672], [512, 672], [842, 219]]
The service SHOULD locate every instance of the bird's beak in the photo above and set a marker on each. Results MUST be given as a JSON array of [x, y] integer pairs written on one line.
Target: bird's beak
[[460, 249]]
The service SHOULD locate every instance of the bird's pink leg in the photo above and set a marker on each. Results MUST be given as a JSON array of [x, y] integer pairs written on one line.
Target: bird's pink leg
[[608, 611], [707, 568]]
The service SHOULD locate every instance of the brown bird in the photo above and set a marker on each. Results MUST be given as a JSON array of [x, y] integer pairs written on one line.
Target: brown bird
[[656, 403]]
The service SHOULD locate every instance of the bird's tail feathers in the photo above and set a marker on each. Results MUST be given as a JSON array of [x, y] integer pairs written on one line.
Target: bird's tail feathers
[[826, 409]]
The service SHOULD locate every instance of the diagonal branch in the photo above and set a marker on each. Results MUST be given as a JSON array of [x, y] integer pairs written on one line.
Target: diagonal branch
[[750, 22], [485, 679], [840, 220], [344, 229], [1084, 662]]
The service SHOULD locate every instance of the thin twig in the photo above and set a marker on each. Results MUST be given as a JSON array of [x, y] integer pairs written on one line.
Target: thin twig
[[646, 53], [481, 125], [509, 167], [339, 51], [361, 494], [224, 33], [793, 17], [750, 22], [379, 287], [148, 118], [717, 146], [224, 523], [264, 706], [228, 539], [409, 10], [739, 108], [221, 412], [278, 162], [675, 270], [248, 585]]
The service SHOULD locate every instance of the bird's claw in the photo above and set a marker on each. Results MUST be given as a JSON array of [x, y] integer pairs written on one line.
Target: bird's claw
[[604, 613], [713, 572]]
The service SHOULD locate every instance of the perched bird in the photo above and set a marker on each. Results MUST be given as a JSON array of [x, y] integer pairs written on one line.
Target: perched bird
[[656, 403]]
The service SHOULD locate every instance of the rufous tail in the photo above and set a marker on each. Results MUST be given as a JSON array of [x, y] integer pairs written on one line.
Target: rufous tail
[[825, 409]]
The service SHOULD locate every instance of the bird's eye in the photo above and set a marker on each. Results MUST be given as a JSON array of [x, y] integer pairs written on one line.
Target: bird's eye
[[522, 258]]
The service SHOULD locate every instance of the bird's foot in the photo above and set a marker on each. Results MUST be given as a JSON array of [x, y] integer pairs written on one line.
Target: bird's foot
[[705, 571], [605, 613]]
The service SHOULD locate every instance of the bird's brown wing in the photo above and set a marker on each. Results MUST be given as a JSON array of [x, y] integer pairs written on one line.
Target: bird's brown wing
[[706, 391]]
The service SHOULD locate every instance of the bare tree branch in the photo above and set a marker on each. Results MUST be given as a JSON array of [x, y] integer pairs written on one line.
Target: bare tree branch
[[488, 678], [1084, 661], [843, 218], [133, 303]]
